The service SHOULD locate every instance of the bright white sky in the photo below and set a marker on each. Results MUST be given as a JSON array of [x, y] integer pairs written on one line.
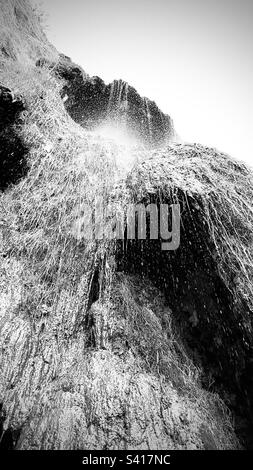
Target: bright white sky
[[193, 57]]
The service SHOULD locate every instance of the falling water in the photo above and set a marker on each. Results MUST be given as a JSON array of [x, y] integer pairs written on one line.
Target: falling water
[[148, 118], [118, 101]]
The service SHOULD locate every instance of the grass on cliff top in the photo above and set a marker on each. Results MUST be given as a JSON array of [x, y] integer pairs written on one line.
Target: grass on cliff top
[[21, 34]]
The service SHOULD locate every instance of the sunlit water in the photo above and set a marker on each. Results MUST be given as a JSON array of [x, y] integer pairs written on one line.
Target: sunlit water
[[125, 148]]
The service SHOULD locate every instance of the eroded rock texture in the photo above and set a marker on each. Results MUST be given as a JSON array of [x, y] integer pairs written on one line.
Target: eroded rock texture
[[202, 287], [106, 345], [99, 386]]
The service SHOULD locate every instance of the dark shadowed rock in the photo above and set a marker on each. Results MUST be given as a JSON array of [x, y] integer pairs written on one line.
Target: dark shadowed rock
[[91, 102], [108, 345]]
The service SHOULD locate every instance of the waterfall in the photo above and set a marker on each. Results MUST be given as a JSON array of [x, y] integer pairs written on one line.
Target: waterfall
[[148, 117], [118, 100]]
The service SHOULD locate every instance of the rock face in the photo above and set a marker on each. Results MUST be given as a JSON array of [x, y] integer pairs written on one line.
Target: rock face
[[97, 385], [13, 152], [21, 35], [105, 344], [89, 101], [208, 293], [92, 103]]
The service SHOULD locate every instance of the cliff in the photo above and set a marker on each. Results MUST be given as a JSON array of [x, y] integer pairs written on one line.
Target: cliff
[[104, 343]]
